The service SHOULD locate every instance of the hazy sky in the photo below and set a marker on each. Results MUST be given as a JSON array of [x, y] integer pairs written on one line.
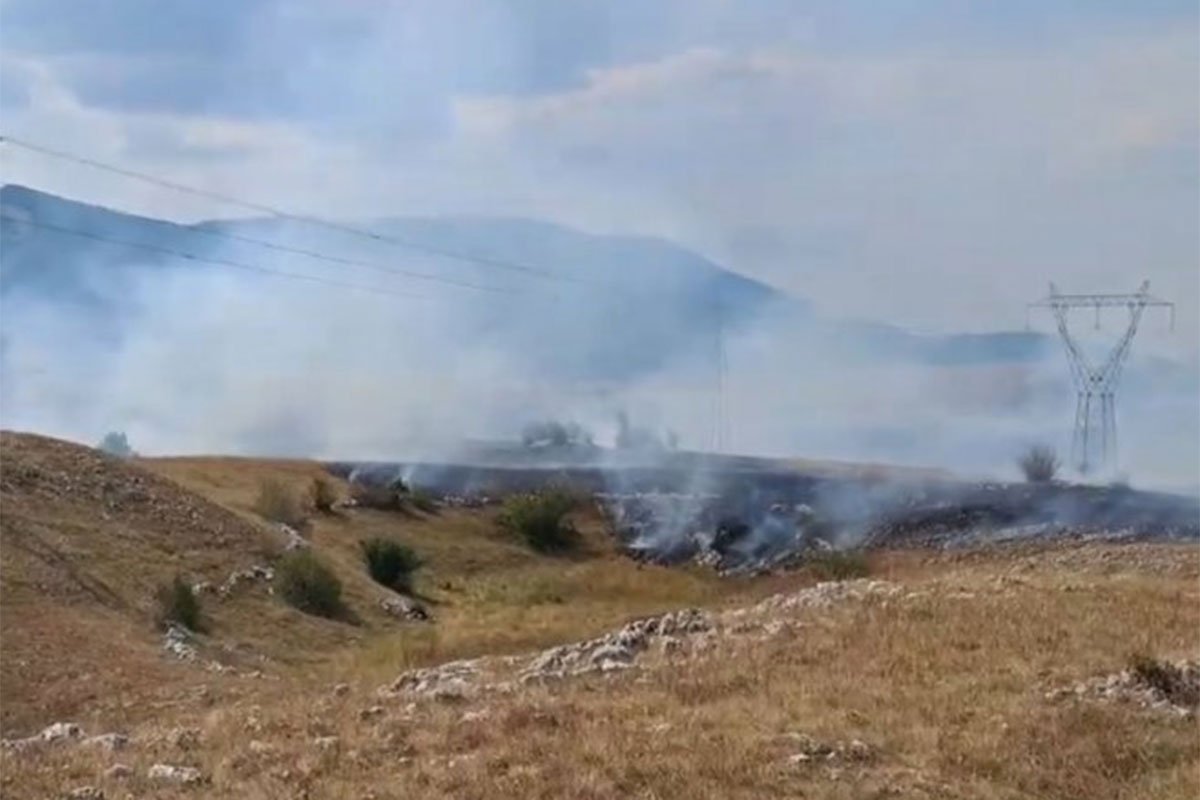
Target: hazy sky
[[928, 163]]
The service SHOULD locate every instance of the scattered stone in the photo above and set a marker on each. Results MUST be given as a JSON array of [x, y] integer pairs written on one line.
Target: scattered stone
[[86, 793], [108, 741], [327, 743], [370, 713], [405, 608], [810, 750], [254, 574], [178, 642], [292, 538], [56, 733], [447, 681], [184, 738], [823, 595], [1163, 686], [183, 776], [474, 716], [260, 748], [118, 771], [616, 651]]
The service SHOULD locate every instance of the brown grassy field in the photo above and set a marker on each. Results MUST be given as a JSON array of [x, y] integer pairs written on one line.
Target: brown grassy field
[[936, 688]]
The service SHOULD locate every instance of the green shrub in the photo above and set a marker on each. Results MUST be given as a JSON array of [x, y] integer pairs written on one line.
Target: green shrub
[[840, 565], [393, 496], [324, 494], [306, 583], [540, 519], [278, 503], [390, 564], [178, 605], [423, 501]]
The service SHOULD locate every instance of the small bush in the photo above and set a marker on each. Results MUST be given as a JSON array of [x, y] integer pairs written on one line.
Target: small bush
[[324, 494], [390, 564], [840, 565], [422, 500], [540, 520], [178, 605], [306, 583], [393, 496], [278, 503], [1039, 464], [115, 443]]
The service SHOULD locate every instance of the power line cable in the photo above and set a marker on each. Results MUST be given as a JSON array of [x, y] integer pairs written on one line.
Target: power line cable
[[167, 251], [282, 214]]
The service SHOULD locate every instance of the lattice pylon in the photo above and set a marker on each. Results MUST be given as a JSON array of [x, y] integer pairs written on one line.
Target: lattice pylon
[[1094, 441]]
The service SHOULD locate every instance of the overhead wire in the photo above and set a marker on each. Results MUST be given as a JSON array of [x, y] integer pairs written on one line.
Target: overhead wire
[[225, 262], [309, 219]]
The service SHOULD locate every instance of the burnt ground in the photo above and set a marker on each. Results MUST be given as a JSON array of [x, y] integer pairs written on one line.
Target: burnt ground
[[741, 517]]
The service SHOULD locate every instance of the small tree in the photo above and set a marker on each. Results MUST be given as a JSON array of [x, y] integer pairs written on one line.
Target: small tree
[[541, 520], [115, 443], [178, 605], [389, 563], [278, 503], [324, 494], [1039, 464], [306, 583]]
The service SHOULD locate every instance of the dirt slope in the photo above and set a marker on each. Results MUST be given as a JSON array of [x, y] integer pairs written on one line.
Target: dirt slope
[[85, 540]]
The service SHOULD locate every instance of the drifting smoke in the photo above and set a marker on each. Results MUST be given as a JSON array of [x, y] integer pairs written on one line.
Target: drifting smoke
[[206, 359]]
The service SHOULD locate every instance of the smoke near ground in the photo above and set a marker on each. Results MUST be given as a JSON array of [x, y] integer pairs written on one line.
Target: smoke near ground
[[191, 357]]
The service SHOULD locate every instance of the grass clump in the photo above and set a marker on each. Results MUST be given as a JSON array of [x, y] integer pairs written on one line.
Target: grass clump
[[423, 501], [278, 503], [324, 494], [839, 565], [392, 496], [540, 519], [389, 563], [1039, 464], [178, 605], [306, 583]]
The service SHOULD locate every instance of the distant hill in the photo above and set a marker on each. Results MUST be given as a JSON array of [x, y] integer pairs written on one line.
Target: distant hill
[[650, 300]]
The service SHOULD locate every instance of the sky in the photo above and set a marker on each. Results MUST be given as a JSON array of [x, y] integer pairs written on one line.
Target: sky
[[932, 164]]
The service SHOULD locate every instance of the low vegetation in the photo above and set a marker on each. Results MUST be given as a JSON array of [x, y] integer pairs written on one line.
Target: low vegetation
[[1039, 464], [116, 443], [839, 565], [540, 520], [177, 604], [324, 494], [390, 563], [305, 582], [277, 502], [423, 501], [392, 496]]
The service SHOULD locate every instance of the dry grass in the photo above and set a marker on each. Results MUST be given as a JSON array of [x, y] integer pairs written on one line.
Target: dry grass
[[945, 683]]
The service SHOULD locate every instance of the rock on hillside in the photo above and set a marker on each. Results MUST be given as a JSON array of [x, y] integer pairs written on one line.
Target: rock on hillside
[[65, 504], [87, 538]]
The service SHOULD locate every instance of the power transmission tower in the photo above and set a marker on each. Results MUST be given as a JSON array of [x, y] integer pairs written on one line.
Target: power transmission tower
[[1094, 442]]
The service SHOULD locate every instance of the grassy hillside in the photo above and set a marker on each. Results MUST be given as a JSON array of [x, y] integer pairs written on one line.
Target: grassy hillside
[[937, 680]]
